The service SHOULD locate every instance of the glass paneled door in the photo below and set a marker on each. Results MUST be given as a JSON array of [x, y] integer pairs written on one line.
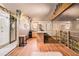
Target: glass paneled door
[[4, 28], [13, 28]]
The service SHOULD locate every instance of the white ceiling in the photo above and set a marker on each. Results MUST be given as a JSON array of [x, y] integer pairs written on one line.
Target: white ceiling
[[32, 9]]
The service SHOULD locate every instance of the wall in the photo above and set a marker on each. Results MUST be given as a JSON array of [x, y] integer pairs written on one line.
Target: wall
[[24, 26], [75, 26], [46, 26], [61, 25]]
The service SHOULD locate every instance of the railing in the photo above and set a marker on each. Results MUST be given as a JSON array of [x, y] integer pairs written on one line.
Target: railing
[[70, 40]]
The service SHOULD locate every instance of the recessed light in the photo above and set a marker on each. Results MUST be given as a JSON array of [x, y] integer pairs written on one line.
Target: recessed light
[[77, 19]]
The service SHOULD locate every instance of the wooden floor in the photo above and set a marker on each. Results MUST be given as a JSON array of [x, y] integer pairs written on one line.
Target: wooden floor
[[34, 46]]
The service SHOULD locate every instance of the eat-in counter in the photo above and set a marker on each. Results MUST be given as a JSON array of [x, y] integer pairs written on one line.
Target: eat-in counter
[[39, 36]]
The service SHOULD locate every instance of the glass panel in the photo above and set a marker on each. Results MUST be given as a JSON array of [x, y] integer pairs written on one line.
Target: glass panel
[[4, 28]]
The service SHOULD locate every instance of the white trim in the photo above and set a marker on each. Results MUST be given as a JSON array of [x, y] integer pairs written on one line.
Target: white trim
[[5, 50]]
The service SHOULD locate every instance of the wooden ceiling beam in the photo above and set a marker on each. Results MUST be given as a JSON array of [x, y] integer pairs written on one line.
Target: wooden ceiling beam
[[59, 10]]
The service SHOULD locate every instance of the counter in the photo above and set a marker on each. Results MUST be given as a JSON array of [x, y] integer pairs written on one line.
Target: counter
[[39, 36]]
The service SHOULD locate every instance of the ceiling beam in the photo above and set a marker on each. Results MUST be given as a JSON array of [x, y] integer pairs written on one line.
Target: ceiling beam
[[60, 8]]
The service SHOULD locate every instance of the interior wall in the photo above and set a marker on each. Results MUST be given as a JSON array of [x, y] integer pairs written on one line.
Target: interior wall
[[24, 26], [61, 25], [75, 26], [46, 26]]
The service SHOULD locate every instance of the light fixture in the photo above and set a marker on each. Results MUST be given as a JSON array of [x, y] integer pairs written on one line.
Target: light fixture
[[77, 19]]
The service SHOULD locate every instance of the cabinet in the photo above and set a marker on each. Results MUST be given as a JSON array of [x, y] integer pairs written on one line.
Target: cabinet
[[22, 40]]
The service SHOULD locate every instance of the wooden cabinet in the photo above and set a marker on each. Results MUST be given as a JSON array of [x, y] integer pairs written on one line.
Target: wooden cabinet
[[22, 40]]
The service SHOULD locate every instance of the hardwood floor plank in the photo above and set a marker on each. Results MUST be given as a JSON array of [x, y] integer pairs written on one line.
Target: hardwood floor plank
[[34, 46]]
